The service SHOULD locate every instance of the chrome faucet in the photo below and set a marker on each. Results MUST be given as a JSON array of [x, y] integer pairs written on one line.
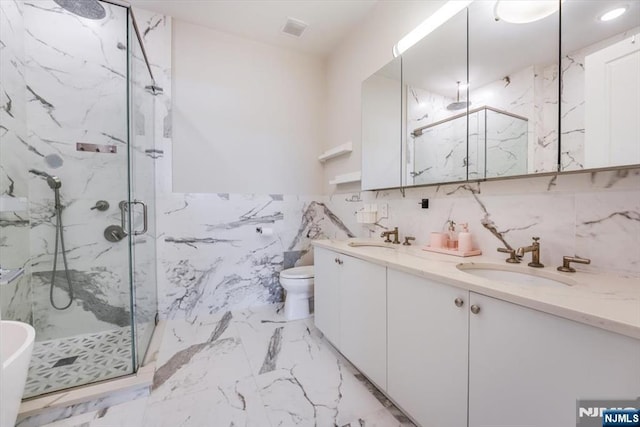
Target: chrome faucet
[[388, 235], [534, 248]]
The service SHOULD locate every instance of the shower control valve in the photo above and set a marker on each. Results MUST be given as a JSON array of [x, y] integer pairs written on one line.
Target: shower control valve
[[114, 233], [101, 205]]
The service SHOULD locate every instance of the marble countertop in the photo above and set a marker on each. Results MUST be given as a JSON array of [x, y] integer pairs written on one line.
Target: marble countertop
[[605, 301]]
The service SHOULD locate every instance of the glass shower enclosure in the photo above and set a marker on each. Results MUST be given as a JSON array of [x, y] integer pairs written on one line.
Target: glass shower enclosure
[[77, 188], [484, 142]]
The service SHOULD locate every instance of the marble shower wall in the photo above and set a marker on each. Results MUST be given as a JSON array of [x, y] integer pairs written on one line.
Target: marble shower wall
[[69, 85], [513, 146], [15, 298], [593, 215]]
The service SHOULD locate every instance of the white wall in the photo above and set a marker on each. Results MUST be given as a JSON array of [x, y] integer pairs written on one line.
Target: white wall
[[248, 117], [362, 53]]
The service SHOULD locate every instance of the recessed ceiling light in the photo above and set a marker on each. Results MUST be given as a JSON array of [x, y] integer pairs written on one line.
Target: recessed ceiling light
[[524, 11], [613, 14]]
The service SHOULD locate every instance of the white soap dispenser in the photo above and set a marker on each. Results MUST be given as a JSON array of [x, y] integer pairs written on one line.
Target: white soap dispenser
[[464, 239]]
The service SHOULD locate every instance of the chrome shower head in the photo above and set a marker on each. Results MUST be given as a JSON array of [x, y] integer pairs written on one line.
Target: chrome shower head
[[53, 181], [458, 105], [90, 9]]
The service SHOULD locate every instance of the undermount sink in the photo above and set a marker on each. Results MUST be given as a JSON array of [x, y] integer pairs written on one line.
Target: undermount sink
[[515, 274], [372, 244]]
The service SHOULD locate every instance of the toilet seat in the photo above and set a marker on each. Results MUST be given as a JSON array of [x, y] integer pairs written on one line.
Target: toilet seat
[[305, 272]]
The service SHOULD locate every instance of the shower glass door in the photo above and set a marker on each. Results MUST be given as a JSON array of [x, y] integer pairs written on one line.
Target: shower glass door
[[64, 158], [142, 153]]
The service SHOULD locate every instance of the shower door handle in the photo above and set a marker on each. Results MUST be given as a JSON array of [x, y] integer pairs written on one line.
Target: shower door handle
[[123, 205], [145, 218]]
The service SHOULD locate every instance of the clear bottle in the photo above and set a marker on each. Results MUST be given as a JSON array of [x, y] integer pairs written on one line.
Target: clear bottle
[[453, 236]]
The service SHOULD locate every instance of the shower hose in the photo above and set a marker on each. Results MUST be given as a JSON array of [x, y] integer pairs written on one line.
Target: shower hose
[[60, 236]]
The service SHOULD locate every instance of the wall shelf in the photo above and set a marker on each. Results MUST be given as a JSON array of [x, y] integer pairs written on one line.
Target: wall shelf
[[346, 178], [336, 151]]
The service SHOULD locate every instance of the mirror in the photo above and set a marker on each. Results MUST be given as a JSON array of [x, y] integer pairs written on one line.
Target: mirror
[[513, 116], [600, 106], [434, 77], [382, 127]]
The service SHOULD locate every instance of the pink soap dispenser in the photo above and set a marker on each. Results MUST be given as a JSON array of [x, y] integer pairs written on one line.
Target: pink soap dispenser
[[464, 239]]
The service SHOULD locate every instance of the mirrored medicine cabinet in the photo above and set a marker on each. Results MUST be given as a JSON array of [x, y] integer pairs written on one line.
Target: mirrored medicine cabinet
[[483, 98]]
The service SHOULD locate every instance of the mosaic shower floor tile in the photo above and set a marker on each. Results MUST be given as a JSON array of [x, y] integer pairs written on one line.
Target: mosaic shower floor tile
[[67, 362]]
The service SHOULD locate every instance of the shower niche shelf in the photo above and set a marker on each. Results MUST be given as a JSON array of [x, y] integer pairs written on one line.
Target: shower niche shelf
[[340, 150]]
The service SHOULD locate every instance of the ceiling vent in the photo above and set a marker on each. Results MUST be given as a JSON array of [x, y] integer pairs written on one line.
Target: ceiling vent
[[294, 27]]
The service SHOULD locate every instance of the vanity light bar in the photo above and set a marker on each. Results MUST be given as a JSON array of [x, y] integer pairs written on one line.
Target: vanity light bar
[[442, 15]]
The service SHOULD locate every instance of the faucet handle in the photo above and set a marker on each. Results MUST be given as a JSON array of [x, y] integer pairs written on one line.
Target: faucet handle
[[536, 239], [513, 257], [407, 239], [567, 260]]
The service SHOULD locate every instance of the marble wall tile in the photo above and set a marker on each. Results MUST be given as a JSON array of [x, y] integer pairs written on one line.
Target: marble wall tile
[[214, 259], [591, 214], [608, 231]]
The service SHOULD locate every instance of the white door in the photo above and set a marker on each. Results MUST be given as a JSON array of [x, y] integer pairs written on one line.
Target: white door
[[363, 317], [612, 98], [327, 294], [427, 349], [528, 368]]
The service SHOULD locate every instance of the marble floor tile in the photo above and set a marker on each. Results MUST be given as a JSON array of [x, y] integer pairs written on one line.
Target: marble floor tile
[[250, 368], [206, 358], [237, 404], [381, 418], [128, 414]]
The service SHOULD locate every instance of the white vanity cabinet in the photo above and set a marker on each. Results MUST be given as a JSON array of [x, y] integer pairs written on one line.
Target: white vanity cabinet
[[427, 349], [452, 358], [326, 294], [528, 368], [350, 309]]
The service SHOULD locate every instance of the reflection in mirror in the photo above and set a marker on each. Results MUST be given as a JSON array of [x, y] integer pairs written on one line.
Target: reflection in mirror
[[382, 127], [513, 90], [434, 73], [600, 108]]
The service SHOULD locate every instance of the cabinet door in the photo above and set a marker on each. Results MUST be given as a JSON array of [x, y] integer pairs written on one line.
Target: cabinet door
[[427, 349], [363, 317], [327, 294], [529, 368]]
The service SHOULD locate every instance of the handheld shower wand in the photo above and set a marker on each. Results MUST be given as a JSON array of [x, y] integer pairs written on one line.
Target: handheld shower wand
[[55, 183]]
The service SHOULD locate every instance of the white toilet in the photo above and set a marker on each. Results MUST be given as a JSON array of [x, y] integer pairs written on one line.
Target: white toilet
[[298, 282]]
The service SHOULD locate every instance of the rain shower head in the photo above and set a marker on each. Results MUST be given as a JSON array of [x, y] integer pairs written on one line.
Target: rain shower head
[[90, 9], [458, 105], [53, 181]]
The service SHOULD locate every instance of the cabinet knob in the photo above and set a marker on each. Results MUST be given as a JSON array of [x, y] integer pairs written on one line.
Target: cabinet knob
[[475, 309], [336, 260], [340, 262], [459, 302]]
